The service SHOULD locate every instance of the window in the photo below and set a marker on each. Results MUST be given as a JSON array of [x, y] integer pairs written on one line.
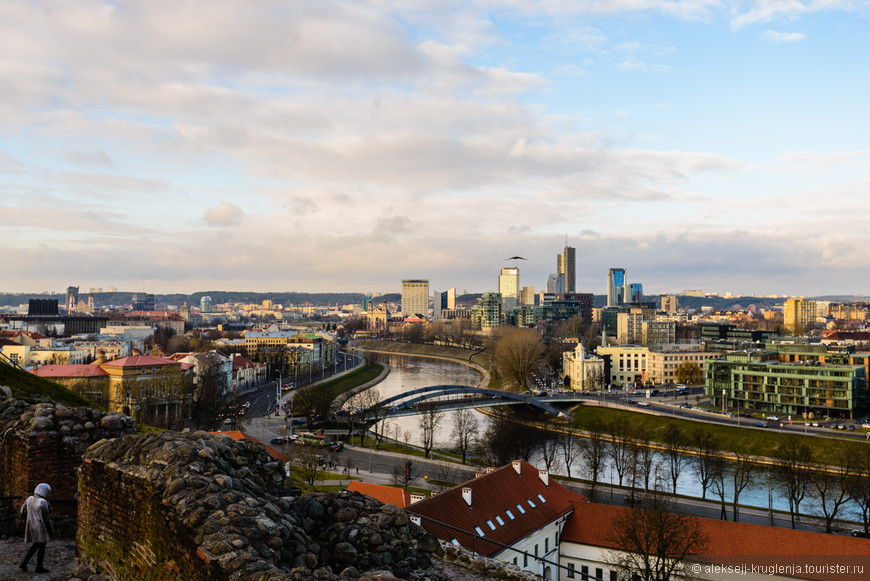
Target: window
[[599, 573], [541, 498], [510, 514], [584, 573], [532, 504], [536, 550], [478, 531], [570, 570], [546, 546], [521, 509], [613, 576], [491, 526], [501, 522], [526, 560]]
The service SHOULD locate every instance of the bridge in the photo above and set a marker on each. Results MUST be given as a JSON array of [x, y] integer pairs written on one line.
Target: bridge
[[452, 397]]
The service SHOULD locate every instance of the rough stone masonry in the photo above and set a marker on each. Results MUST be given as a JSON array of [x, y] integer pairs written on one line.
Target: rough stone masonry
[[197, 506]]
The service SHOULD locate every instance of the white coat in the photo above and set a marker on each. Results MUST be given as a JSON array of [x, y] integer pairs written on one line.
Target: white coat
[[38, 511]]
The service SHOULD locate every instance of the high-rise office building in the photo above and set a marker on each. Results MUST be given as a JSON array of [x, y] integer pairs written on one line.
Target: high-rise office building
[[635, 292], [443, 301], [566, 264], [143, 302], [451, 298], [509, 287], [415, 297], [527, 295], [799, 315], [617, 287], [669, 304], [205, 304]]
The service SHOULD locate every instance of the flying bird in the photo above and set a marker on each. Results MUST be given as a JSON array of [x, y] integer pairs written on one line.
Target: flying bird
[[515, 258]]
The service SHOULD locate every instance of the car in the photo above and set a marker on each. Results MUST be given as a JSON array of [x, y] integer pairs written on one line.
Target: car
[[861, 533], [772, 418], [760, 425], [297, 421], [850, 427], [745, 415], [338, 447], [643, 403], [654, 392], [815, 424], [280, 440]]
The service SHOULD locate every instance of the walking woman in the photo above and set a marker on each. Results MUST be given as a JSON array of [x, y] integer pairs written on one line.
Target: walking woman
[[38, 527]]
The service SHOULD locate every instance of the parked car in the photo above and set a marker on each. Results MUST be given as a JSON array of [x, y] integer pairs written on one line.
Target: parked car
[[860, 533], [760, 425], [850, 427], [338, 447], [815, 424]]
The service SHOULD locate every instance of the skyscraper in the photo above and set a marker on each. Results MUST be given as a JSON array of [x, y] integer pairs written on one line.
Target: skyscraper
[[636, 292], [509, 287], [617, 291], [566, 264], [415, 297]]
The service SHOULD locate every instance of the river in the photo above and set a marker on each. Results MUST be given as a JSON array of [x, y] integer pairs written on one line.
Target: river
[[409, 372]]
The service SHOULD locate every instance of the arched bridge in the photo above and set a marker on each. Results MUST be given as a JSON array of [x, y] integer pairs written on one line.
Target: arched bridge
[[451, 397]]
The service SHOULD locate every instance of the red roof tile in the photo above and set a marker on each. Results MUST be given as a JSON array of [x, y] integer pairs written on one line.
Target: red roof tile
[[138, 361], [386, 494], [70, 371], [733, 543], [493, 495]]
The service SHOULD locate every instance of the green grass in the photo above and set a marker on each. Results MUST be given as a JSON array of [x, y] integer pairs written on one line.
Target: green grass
[[324, 393], [731, 438], [27, 386]]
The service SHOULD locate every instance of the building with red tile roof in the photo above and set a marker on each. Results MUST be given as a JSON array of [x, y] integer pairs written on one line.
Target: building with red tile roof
[[514, 513], [149, 389], [734, 550], [386, 494]]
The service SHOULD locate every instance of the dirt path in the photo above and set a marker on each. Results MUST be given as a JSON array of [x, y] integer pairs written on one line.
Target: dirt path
[[59, 560]]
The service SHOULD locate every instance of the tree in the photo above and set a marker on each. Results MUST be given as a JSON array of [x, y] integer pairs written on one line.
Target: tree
[[518, 353], [465, 431], [832, 485], [717, 481], [620, 447], [689, 372], [570, 446], [504, 441], [675, 452], [549, 448], [861, 486], [645, 458], [310, 462], [595, 450], [743, 475], [655, 540], [705, 463], [430, 419], [792, 472]]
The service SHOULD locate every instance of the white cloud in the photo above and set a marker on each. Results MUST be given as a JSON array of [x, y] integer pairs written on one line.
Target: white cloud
[[783, 37], [224, 215]]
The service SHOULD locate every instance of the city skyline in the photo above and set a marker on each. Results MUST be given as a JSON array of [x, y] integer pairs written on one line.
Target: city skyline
[[342, 147]]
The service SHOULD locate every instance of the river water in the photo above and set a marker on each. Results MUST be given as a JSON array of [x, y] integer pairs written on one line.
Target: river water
[[408, 373]]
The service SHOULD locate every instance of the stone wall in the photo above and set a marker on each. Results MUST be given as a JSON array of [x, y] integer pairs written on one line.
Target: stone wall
[[197, 507], [44, 442]]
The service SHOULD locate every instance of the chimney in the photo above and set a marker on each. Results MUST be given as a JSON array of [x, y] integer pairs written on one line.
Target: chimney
[[545, 477], [490, 469], [416, 519], [466, 496], [516, 465]]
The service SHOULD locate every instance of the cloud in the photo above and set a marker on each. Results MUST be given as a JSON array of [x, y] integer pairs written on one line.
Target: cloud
[[786, 10], [224, 215], [783, 37]]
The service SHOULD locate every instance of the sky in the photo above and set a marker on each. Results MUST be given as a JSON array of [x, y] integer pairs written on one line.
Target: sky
[[319, 146]]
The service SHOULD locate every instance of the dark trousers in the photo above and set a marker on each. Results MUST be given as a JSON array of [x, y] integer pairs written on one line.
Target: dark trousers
[[39, 556]]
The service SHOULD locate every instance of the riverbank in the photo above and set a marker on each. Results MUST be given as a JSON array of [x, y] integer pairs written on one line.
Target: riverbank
[[455, 354]]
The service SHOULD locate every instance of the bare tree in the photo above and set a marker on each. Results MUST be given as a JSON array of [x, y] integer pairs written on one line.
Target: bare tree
[[708, 452], [549, 448], [792, 472], [360, 409], [717, 473], [570, 446], [655, 541], [675, 452], [430, 419], [832, 484], [595, 449], [620, 447], [465, 430], [519, 352], [861, 486], [645, 458], [743, 475], [310, 461]]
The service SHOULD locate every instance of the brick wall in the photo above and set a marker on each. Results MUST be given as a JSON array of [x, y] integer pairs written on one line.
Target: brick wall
[[125, 529]]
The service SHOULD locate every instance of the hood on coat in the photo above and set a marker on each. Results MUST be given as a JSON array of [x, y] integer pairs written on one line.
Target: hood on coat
[[43, 490]]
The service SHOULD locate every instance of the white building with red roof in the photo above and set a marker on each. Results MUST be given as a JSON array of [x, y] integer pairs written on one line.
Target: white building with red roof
[[514, 513]]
